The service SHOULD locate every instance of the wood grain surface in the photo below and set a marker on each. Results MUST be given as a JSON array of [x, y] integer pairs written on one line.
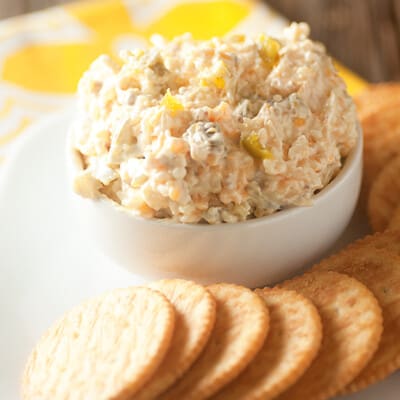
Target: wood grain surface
[[362, 34]]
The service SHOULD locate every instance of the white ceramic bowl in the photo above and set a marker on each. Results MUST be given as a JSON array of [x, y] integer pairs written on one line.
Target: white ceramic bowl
[[252, 253]]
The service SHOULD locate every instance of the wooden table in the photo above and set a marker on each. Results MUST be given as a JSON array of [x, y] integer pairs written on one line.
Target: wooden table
[[362, 34]]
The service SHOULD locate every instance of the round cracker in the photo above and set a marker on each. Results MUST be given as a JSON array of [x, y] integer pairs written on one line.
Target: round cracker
[[352, 326], [379, 270], [381, 140], [292, 343], [376, 96], [394, 223], [384, 196], [106, 348], [240, 329], [195, 316], [388, 240]]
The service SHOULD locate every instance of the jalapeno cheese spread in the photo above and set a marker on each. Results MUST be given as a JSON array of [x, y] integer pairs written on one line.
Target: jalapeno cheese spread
[[213, 131]]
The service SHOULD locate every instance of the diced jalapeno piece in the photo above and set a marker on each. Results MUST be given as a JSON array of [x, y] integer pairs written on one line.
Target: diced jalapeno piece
[[269, 50], [253, 146], [219, 82], [171, 103]]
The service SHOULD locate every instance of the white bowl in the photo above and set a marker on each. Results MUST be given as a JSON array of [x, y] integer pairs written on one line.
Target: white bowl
[[252, 253]]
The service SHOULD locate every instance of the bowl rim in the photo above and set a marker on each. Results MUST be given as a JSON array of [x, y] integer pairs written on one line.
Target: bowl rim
[[352, 161]]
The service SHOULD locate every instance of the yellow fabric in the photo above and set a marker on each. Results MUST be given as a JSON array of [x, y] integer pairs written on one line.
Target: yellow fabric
[[64, 63], [354, 83], [42, 55]]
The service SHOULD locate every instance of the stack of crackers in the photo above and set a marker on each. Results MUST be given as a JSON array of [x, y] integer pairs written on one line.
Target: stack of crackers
[[333, 330], [379, 113]]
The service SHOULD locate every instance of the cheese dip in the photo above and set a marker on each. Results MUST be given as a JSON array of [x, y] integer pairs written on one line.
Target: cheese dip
[[213, 131]]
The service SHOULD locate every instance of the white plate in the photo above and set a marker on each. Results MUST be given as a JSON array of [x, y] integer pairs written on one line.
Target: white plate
[[47, 265]]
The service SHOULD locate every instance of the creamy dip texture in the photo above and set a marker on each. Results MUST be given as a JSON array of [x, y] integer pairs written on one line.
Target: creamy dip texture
[[213, 131]]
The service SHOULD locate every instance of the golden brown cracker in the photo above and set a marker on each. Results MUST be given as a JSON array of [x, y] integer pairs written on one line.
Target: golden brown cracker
[[394, 223], [388, 240], [379, 270], [195, 316], [240, 329], [352, 326], [381, 140], [106, 348], [292, 343], [373, 97], [384, 196]]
